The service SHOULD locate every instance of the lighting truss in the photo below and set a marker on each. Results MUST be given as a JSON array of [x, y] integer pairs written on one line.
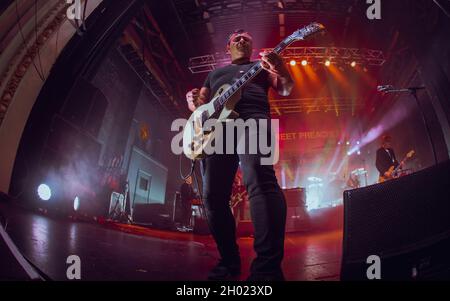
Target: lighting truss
[[334, 105], [365, 57]]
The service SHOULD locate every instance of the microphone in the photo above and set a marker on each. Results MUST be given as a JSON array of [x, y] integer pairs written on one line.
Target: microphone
[[385, 88], [390, 89]]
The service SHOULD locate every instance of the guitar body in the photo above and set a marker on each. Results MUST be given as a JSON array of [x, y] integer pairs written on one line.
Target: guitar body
[[390, 171], [393, 171], [196, 138]]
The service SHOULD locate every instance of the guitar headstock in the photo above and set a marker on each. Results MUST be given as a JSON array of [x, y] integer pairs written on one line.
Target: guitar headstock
[[410, 154], [307, 31]]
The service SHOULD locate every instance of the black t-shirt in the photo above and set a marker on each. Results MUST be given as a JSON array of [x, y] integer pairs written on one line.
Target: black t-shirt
[[254, 102]]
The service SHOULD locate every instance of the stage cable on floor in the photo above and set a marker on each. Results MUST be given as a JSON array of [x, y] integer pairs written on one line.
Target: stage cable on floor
[[32, 271]]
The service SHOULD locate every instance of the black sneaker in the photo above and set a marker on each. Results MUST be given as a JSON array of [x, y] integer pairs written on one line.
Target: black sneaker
[[223, 271]]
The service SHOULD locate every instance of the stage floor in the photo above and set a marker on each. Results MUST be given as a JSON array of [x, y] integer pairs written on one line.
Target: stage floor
[[115, 252]]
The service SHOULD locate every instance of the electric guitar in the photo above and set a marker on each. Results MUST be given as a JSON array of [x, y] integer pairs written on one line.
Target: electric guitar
[[393, 171], [238, 197], [197, 136]]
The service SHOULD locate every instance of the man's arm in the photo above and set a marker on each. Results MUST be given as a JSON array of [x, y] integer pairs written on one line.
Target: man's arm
[[279, 76], [282, 84], [197, 97]]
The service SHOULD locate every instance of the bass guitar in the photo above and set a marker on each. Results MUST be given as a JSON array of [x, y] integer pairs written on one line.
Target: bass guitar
[[392, 172]]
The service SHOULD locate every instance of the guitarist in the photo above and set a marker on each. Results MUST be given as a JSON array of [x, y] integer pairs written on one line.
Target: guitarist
[[386, 158], [239, 198], [267, 203]]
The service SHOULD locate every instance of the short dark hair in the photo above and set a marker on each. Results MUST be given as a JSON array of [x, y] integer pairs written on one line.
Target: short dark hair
[[237, 31], [386, 138]]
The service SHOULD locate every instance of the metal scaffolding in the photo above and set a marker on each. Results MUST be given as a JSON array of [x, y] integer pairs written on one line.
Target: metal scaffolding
[[364, 57], [333, 105]]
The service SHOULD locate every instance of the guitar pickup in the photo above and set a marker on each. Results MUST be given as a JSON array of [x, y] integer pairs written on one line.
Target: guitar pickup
[[207, 131]]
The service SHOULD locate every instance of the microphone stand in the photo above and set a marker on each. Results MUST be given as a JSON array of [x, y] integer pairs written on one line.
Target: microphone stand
[[413, 92]]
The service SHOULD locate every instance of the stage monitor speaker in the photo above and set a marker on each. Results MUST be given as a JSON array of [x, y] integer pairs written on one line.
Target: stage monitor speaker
[[295, 197], [405, 222], [154, 215]]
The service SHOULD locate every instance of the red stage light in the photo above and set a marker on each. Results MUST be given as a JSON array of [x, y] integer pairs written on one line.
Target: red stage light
[[304, 62], [293, 62]]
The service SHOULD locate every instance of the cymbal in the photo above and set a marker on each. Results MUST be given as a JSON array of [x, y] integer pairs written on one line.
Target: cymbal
[[314, 179], [359, 172]]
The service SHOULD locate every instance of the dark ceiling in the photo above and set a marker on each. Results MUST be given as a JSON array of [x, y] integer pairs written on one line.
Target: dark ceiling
[[198, 27], [168, 33]]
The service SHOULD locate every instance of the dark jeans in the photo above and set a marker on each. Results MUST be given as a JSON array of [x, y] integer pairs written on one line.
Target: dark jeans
[[267, 207], [186, 212]]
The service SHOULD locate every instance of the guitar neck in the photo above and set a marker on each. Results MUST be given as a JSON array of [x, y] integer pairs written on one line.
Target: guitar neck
[[400, 164], [249, 75], [300, 34]]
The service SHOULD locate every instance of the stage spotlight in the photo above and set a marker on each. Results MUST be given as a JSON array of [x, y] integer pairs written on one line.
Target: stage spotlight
[[293, 62], [76, 203], [327, 63], [304, 62], [357, 142], [44, 192], [358, 152], [349, 153], [353, 64], [348, 143]]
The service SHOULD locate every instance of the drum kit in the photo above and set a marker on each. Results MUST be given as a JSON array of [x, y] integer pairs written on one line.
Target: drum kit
[[320, 191], [357, 178], [314, 192]]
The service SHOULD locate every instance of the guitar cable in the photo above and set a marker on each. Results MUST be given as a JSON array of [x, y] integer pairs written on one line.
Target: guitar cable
[[192, 172], [181, 169]]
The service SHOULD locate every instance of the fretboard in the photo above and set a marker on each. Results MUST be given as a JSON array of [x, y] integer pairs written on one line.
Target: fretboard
[[248, 76]]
